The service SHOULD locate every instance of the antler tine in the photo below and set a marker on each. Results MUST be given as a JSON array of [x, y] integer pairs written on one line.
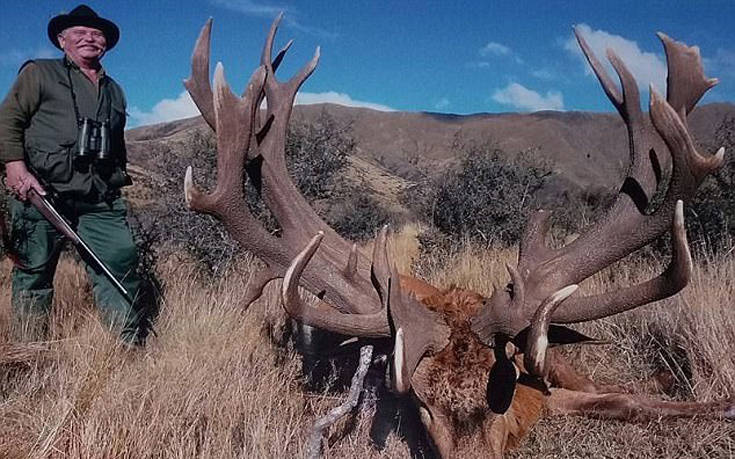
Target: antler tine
[[671, 281], [297, 80], [418, 331], [231, 113], [268, 47], [279, 57], [608, 85], [686, 83], [271, 65], [373, 325], [631, 96], [534, 357], [380, 269], [690, 167], [274, 65], [533, 240], [628, 102], [198, 83]]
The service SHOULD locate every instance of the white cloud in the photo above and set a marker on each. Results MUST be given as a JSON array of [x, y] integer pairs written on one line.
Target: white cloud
[[165, 110], [250, 7], [522, 98], [498, 49], [183, 107], [646, 67], [13, 58], [543, 74], [267, 10], [332, 97], [495, 49], [442, 103]]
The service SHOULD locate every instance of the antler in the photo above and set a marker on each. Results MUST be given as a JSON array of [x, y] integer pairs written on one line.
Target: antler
[[358, 296], [338, 272], [417, 330], [656, 144]]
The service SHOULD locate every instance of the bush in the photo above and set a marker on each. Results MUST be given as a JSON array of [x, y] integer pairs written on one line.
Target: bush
[[711, 214], [358, 216], [317, 156], [485, 198]]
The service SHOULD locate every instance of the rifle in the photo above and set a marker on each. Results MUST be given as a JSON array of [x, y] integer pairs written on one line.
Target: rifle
[[47, 209]]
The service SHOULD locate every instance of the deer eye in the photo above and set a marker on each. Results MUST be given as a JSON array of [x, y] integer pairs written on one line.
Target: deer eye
[[510, 289]]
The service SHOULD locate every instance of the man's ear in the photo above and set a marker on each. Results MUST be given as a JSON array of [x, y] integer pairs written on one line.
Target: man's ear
[[60, 38]]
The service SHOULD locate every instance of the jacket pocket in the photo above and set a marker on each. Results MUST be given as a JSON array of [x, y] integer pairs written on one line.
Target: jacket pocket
[[53, 166]]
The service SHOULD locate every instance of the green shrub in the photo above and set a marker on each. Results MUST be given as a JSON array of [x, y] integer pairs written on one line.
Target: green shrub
[[357, 216], [486, 197], [711, 214], [317, 156]]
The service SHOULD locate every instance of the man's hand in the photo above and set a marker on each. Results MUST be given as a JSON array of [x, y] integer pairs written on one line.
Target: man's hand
[[19, 180]]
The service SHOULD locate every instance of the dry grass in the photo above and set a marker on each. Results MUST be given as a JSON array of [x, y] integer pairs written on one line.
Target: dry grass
[[215, 384]]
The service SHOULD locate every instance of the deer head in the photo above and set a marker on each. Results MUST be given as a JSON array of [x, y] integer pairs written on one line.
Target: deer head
[[477, 367]]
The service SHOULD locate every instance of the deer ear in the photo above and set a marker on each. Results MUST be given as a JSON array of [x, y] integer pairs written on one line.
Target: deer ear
[[501, 384]]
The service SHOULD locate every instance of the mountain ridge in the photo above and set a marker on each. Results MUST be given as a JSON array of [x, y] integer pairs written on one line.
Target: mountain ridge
[[587, 149]]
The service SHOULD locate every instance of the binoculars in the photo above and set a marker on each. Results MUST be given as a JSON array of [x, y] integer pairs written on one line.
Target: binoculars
[[93, 142]]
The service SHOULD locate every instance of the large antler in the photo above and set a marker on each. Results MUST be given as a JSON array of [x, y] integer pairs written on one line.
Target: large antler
[[338, 272], [657, 144], [359, 296]]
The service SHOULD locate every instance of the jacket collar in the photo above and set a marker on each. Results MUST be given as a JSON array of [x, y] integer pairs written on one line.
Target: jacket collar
[[73, 65]]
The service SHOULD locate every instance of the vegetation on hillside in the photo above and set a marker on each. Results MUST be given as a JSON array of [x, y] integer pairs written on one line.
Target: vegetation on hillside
[[711, 215], [217, 382], [485, 197], [317, 156]]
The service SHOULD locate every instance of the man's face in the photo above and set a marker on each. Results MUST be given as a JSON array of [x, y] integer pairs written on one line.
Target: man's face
[[82, 43]]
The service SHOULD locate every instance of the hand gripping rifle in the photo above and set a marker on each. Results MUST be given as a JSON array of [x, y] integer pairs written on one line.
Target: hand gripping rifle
[[47, 209]]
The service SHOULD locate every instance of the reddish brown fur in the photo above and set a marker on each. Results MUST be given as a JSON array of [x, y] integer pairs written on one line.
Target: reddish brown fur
[[452, 386]]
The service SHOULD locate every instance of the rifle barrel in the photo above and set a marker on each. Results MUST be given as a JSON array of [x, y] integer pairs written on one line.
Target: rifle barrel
[[55, 218]]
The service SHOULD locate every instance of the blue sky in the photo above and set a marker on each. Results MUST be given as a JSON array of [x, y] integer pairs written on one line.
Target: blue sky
[[439, 56]]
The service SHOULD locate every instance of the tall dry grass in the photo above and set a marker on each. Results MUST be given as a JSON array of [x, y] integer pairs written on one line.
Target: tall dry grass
[[217, 382]]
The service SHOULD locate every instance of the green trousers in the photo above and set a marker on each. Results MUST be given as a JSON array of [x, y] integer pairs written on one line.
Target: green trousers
[[103, 226]]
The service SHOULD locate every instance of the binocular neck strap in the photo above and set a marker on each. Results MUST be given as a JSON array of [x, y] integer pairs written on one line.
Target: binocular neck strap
[[73, 94]]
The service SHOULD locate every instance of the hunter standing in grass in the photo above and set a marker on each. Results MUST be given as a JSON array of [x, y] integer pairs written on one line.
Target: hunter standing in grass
[[61, 130]]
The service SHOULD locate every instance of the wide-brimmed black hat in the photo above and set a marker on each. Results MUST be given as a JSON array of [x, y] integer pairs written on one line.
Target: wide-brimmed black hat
[[83, 15]]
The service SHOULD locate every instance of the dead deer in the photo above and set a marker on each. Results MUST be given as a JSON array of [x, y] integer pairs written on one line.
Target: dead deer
[[477, 368]]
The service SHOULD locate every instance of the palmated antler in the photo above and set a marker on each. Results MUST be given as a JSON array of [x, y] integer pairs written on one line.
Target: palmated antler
[[357, 296], [658, 143]]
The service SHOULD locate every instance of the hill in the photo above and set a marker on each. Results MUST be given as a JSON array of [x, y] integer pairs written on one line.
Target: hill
[[587, 149]]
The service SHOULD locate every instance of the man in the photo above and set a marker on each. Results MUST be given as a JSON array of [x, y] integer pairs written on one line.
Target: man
[[61, 130]]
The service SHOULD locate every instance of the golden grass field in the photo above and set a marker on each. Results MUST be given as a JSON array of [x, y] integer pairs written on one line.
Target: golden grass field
[[215, 383]]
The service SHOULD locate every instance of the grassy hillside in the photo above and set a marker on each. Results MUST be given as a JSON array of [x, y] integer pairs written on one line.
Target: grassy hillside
[[219, 382], [588, 149]]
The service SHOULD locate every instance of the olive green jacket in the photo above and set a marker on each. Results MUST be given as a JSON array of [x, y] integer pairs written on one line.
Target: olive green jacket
[[38, 123]]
